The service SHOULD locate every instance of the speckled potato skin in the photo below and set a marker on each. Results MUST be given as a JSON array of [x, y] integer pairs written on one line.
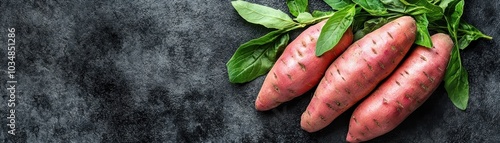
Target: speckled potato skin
[[403, 92], [357, 72], [298, 69]]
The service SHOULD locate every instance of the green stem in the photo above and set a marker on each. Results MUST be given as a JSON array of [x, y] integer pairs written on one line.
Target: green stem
[[318, 19], [461, 30], [302, 25]]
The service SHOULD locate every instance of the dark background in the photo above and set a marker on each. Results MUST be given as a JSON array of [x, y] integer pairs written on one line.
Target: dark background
[[153, 71]]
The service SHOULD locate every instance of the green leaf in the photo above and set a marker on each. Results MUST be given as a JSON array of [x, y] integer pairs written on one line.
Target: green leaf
[[263, 15], [318, 13], [359, 19], [453, 15], [456, 80], [334, 29], [423, 38], [418, 7], [374, 7], [371, 25], [304, 17], [256, 57], [394, 5], [434, 2], [297, 6], [469, 33], [338, 4], [445, 3]]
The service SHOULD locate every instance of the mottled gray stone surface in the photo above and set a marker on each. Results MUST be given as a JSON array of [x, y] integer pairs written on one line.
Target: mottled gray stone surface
[[154, 70]]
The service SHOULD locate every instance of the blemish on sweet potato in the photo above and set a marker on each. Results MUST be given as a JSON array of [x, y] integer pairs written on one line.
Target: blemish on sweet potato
[[302, 66]]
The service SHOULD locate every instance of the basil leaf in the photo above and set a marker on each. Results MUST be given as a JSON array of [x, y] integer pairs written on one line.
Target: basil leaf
[[334, 29], [307, 18], [456, 80], [374, 7], [256, 57], [359, 19], [423, 38], [263, 15], [394, 5], [304, 17], [338, 4], [297, 6], [418, 7], [371, 25], [469, 33], [445, 3], [434, 2], [452, 16], [318, 14]]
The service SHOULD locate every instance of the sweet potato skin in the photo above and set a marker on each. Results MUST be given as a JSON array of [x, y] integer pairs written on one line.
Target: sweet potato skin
[[404, 91], [298, 69], [357, 71]]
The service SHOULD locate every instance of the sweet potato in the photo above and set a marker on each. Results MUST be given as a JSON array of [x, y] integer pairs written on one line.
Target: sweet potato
[[357, 71], [298, 69], [403, 91]]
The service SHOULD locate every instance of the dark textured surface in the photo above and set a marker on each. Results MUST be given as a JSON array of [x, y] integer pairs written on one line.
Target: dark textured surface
[[151, 71]]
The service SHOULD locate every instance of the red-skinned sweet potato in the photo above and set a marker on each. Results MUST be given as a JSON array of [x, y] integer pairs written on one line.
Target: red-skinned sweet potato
[[404, 91], [298, 69], [357, 72]]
